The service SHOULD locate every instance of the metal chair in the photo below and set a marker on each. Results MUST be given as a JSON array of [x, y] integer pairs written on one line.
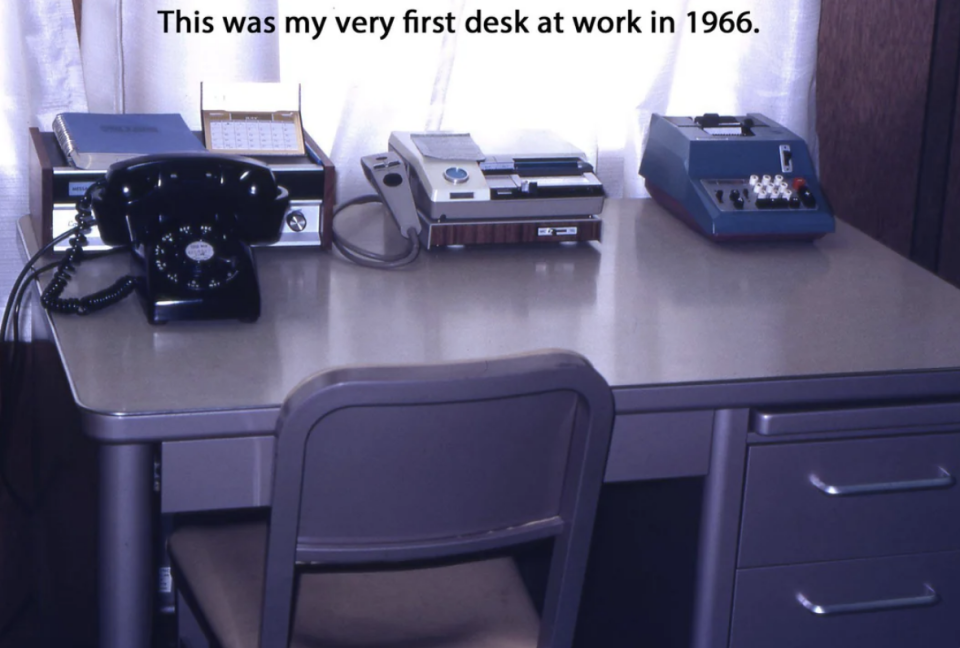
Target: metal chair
[[397, 494]]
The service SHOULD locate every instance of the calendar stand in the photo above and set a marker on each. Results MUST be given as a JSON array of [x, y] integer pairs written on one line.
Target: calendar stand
[[252, 118]]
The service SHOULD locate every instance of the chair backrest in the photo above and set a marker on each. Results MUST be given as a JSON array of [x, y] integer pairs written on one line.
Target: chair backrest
[[385, 464]]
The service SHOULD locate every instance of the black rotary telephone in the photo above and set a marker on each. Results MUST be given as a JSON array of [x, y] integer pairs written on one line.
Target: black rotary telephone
[[190, 219]]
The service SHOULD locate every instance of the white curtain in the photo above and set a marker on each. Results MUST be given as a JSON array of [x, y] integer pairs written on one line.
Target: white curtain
[[131, 65], [40, 75], [596, 90]]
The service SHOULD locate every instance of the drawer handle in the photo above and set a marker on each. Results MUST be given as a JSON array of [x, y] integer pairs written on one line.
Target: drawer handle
[[945, 480], [930, 598]]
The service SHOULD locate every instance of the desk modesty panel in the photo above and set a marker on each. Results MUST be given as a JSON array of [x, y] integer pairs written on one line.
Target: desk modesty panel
[[654, 306]]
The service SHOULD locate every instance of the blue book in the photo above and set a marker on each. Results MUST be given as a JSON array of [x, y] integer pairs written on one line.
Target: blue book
[[97, 140]]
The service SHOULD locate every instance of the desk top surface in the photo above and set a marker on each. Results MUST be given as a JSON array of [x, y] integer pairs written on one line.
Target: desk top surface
[[654, 304]]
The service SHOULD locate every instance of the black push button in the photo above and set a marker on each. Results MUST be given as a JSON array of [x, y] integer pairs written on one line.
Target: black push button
[[806, 197]]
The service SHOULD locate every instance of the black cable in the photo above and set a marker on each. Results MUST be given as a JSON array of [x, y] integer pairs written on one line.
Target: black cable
[[21, 292], [84, 221], [22, 288], [368, 258], [88, 256], [13, 379], [12, 367], [28, 266], [52, 300], [12, 391], [11, 383], [18, 300]]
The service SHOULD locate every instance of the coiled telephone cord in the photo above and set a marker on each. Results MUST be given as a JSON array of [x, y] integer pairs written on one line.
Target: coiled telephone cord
[[51, 298]]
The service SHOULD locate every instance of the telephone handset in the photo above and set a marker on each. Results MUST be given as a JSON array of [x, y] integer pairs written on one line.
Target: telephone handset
[[388, 175], [190, 219]]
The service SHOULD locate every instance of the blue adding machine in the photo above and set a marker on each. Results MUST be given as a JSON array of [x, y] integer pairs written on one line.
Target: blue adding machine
[[735, 178]]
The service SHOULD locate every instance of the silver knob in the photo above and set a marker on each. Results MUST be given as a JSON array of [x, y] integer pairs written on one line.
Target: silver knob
[[296, 221], [456, 175]]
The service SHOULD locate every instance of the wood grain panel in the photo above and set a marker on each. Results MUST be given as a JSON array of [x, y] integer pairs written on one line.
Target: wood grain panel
[[77, 14], [520, 231], [872, 70]]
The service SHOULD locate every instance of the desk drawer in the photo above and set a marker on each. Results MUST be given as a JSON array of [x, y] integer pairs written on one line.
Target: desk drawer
[[850, 499], [901, 602], [782, 422]]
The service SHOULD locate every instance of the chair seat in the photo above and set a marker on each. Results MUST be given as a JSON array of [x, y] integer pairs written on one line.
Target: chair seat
[[481, 604]]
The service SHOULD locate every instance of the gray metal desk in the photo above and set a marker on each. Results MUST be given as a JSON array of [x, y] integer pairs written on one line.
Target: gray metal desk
[[711, 350]]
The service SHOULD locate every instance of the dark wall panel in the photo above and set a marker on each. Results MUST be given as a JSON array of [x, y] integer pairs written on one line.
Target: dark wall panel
[[950, 241], [941, 103], [872, 71]]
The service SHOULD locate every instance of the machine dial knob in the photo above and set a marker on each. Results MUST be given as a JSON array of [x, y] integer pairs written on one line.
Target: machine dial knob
[[456, 175], [296, 221]]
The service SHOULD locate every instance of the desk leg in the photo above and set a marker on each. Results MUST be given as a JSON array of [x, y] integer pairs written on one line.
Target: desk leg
[[719, 529], [126, 577]]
